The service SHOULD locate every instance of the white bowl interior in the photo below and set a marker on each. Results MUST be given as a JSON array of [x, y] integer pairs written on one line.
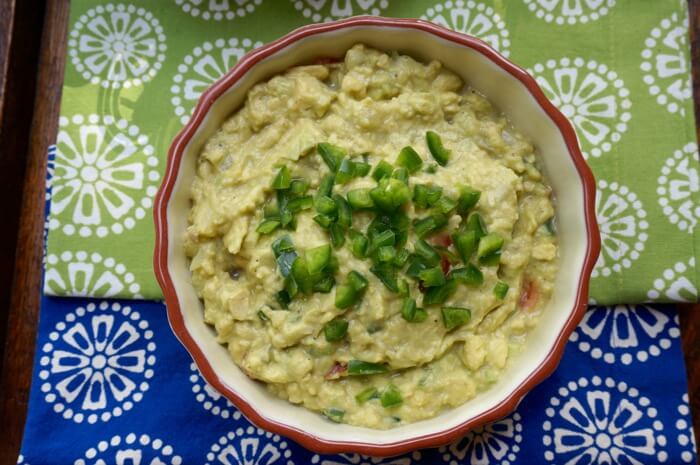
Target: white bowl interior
[[511, 96]]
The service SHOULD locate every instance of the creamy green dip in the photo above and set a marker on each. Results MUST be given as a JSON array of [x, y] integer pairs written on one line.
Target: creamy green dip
[[304, 347]]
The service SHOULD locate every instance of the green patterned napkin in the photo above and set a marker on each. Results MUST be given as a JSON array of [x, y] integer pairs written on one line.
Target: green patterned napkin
[[618, 68]]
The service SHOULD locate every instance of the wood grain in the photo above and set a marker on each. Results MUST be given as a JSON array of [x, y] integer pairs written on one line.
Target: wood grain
[[23, 311], [33, 83]]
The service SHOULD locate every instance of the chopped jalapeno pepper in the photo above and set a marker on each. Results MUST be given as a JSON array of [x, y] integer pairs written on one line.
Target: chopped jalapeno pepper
[[489, 245], [416, 264], [325, 205], [300, 203], [324, 221], [409, 159], [429, 224], [331, 154], [344, 212], [318, 258], [391, 397], [432, 277], [299, 186], [401, 258], [283, 298], [324, 285], [359, 244], [382, 170], [411, 313], [439, 294], [359, 367], [390, 194], [360, 199], [500, 290], [427, 252], [301, 275], [283, 179], [337, 235], [387, 275], [431, 168], [403, 288], [383, 239], [453, 317], [470, 275], [367, 394], [325, 188], [476, 223], [465, 243], [425, 196], [267, 226], [551, 226], [335, 330], [345, 295], [362, 169], [468, 198], [357, 281], [263, 316], [334, 414], [283, 248], [401, 174], [445, 205], [437, 150], [386, 253], [346, 171]]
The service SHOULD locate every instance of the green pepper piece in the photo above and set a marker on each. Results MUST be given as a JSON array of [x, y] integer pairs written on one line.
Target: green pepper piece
[[263, 317], [425, 196], [551, 226], [439, 294], [432, 277], [445, 205], [359, 367], [300, 272], [359, 244], [324, 221], [283, 179], [411, 313], [272, 211], [500, 290], [366, 395], [360, 199], [324, 285], [382, 170], [283, 249], [290, 287], [403, 288], [416, 264], [465, 243], [346, 171], [476, 223], [437, 150], [325, 205], [489, 245], [453, 317], [337, 234], [283, 298], [300, 203], [325, 188], [429, 224], [386, 253], [491, 259], [390, 194], [382, 239], [331, 154], [267, 226], [470, 275], [318, 258], [345, 295], [427, 252], [409, 159], [391, 397], [431, 168], [401, 174], [468, 198], [334, 414], [335, 330], [344, 211], [299, 186], [362, 169], [357, 281], [387, 275], [401, 258]]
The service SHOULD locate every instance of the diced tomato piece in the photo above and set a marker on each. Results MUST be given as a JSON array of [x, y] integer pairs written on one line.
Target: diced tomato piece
[[443, 239], [529, 295], [337, 370], [445, 264]]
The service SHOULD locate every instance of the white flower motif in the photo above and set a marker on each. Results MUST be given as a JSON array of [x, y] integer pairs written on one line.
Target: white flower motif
[[218, 9], [357, 459], [674, 285], [97, 362], [665, 63], [105, 176], [201, 68], [602, 422], [250, 446], [211, 399], [592, 96], [117, 46], [686, 436], [568, 11], [328, 10], [622, 333], [621, 218], [474, 18], [131, 449], [678, 187], [81, 274], [495, 443]]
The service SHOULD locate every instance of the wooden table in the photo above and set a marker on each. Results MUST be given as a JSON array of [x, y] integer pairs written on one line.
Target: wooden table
[[32, 58]]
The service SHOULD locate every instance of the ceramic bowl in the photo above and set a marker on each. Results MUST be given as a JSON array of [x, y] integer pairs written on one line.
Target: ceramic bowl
[[515, 93]]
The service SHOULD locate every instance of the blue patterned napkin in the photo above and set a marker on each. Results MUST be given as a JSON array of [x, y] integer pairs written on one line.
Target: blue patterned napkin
[[112, 386]]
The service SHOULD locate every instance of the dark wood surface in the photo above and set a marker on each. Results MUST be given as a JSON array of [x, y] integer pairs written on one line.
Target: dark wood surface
[[32, 54]]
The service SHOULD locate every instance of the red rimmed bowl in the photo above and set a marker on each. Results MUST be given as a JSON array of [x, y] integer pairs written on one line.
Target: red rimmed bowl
[[506, 85]]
